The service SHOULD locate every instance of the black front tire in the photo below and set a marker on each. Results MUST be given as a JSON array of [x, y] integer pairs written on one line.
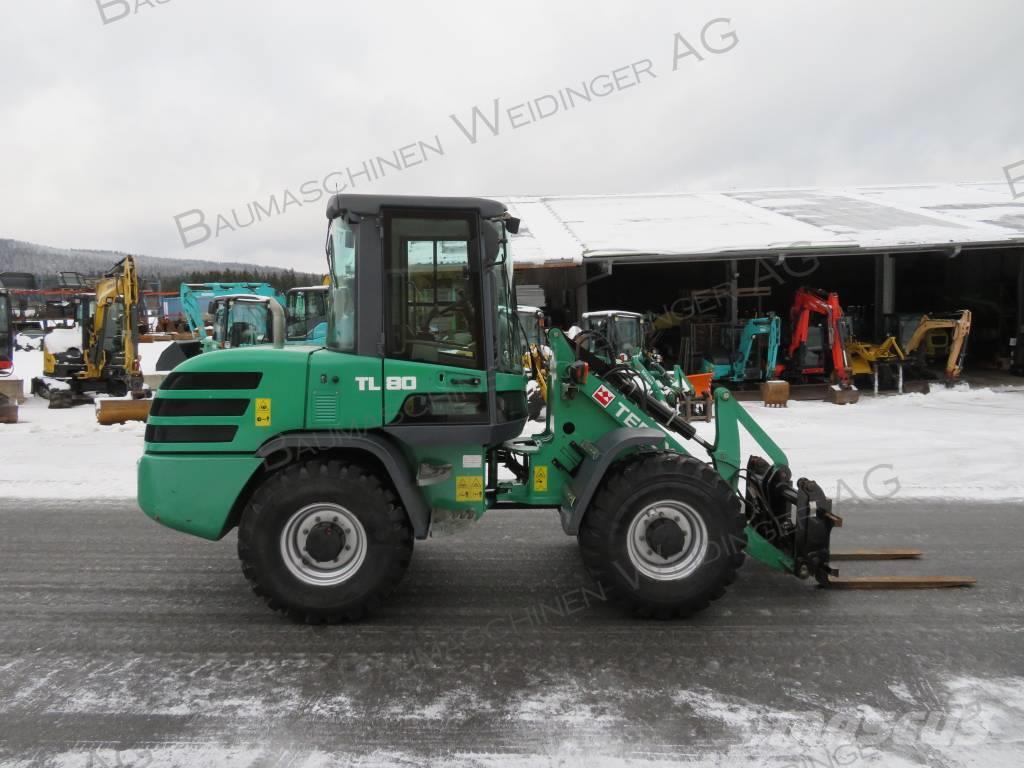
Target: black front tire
[[632, 489], [369, 504]]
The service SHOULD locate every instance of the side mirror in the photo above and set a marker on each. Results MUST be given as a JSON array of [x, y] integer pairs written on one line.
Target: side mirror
[[512, 225]]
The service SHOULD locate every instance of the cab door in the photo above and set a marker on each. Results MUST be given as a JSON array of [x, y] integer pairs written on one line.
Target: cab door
[[434, 370], [434, 383]]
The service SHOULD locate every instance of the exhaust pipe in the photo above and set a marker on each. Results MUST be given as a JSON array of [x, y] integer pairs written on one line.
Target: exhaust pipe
[[277, 323]]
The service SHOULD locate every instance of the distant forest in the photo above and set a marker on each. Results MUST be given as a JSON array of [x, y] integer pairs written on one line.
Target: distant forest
[[155, 272]]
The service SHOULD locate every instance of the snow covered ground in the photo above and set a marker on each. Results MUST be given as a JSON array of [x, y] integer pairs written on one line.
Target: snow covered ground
[[959, 443], [963, 443]]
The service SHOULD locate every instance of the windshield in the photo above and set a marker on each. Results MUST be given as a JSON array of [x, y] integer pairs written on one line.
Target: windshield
[[508, 347], [85, 312], [628, 337], [531, 326], [242, 323], [113, 328], [307, 308], [341, 245]]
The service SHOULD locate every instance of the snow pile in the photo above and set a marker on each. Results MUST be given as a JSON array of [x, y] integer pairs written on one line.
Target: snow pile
[[27, 342], [65, 454], [61, 340]]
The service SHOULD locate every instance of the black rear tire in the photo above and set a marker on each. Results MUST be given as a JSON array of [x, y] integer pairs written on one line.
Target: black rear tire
[[375, 525], [676, 487]]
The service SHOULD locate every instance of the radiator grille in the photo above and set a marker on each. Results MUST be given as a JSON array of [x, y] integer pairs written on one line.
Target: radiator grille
[[325, 407]]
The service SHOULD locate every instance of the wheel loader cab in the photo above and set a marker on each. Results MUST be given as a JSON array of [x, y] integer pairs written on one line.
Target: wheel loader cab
[[424, 287], [619, 334], [307, 310]]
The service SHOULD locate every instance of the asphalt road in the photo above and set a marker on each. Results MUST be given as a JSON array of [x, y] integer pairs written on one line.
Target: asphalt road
[[123, 643]]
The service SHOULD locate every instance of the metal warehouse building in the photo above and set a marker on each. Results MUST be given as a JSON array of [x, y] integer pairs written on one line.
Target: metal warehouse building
[[885, 250]]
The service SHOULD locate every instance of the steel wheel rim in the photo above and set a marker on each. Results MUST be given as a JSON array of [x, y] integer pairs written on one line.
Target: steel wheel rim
[[679, 566], [295, 537]]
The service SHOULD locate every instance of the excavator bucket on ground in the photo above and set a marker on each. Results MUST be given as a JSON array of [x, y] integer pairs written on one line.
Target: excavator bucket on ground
[[8, 410], [120, 411], [842, 395], [775, 393]]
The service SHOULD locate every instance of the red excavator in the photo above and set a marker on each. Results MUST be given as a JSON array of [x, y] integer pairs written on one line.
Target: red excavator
[[6, 335], [818, 350]]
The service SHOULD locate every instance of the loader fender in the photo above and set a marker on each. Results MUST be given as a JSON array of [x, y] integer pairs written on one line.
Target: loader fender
[[609, 448], [283, 449]]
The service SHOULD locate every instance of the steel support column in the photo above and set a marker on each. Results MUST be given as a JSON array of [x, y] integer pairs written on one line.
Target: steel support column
[[1018, 351], [885, 291]]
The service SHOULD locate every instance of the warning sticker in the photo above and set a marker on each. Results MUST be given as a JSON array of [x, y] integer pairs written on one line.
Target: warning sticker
[[469, 488], [540, 478], [604, 396], [263, 412]]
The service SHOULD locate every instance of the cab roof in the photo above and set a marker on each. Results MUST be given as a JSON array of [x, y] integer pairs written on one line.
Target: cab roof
[[371, 205], [610, 312]]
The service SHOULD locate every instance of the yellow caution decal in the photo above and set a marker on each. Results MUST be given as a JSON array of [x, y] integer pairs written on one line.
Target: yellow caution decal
[[469, 488], [540, 478], [262, 411]]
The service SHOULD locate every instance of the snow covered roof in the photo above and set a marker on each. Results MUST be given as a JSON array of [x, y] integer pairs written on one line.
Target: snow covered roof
[[565, 231]]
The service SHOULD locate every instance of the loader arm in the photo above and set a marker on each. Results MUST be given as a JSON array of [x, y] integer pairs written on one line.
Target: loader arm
[[789, 524], [622, 394]]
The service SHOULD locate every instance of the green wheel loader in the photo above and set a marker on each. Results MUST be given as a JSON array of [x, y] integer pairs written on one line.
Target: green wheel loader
[[332, 460]]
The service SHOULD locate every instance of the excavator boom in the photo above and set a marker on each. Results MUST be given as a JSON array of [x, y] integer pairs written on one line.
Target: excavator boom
[[959, 324]]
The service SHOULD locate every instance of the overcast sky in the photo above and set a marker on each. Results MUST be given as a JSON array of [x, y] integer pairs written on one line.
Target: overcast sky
[[113, 121]]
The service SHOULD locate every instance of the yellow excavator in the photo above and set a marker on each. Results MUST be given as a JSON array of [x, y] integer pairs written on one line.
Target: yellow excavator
[[100, 354], [929, 339], [867, 359], [959, 326], [535, 358]]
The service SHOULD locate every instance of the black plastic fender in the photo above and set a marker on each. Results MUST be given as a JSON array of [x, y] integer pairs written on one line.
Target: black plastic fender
[[592, 470], [284, 449]]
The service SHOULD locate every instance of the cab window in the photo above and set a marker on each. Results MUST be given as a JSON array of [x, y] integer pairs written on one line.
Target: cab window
[[433, 294]]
